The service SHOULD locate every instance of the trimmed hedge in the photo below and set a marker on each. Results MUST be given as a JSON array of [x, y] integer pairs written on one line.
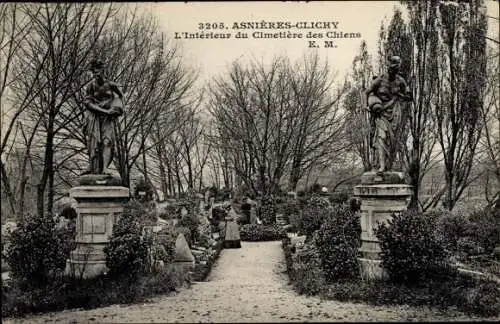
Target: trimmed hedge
[[261, 232]]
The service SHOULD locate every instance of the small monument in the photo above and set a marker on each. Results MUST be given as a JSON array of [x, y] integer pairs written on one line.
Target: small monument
[[100, 196], [232, 238], [382, 191], [184, 259], [184, 212]]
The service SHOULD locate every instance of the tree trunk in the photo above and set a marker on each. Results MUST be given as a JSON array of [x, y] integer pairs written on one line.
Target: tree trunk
[[48, 166], [414, 174], [163, 176], [8, 191], [190, 171], [171, 186], [179, 182], [294, 175], [51, 193]]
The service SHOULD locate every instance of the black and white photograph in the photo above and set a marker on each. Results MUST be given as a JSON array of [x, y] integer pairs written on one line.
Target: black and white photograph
[[250, 162]]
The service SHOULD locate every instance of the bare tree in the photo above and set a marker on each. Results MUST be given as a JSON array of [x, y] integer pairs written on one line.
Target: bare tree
[[423, 38], [358, 117], [16, 27], [275, 118], [318, 134], [51, 59], [459, 95], [190, 135], [489, 144]]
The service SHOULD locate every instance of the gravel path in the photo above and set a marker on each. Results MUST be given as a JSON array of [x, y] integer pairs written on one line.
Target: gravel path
[[246, 285]]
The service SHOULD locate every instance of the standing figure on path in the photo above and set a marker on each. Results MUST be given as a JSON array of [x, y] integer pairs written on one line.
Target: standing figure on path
[[103, 103], [384, 97]]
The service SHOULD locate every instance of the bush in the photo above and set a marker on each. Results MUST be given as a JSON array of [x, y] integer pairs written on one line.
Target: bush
[[161, 249], [462, 292], [338, 198], [338, 240], [486, 229], [292, 211], [313, 215], [314, 189], [410, 252], [354, 205], [37, 251], [169, 212], [219, 214], [220, 194], [450, 228], [484, 299], [191, 222], [468, 236], [306, 273], [127, 252], [268, 210], [261, 232]]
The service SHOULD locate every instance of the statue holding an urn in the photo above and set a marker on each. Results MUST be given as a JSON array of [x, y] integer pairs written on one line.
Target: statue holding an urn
[[383, 191], [104, 104], [384, 98]]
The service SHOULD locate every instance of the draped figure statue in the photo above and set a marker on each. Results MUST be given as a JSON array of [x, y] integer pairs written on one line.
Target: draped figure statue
[[103, 103], [383, 99]]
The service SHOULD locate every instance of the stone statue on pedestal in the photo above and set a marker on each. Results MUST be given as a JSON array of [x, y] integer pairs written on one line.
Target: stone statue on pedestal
[[100, 195], [103, 103], [384, 97], [382, 192]]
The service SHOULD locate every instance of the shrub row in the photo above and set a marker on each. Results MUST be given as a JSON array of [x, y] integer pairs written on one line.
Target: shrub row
[[472, 297], [261, 232], [412, 254], [139, 263], [65, 293]]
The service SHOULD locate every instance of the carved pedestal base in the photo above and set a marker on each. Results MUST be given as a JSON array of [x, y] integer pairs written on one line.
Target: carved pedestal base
[[378, 202], [98, 209]]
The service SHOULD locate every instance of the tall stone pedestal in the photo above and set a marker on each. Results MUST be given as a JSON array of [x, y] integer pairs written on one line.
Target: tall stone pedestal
[[379, 200], [98, 208]]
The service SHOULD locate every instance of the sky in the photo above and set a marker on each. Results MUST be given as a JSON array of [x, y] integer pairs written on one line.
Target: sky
[[213, 56]]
